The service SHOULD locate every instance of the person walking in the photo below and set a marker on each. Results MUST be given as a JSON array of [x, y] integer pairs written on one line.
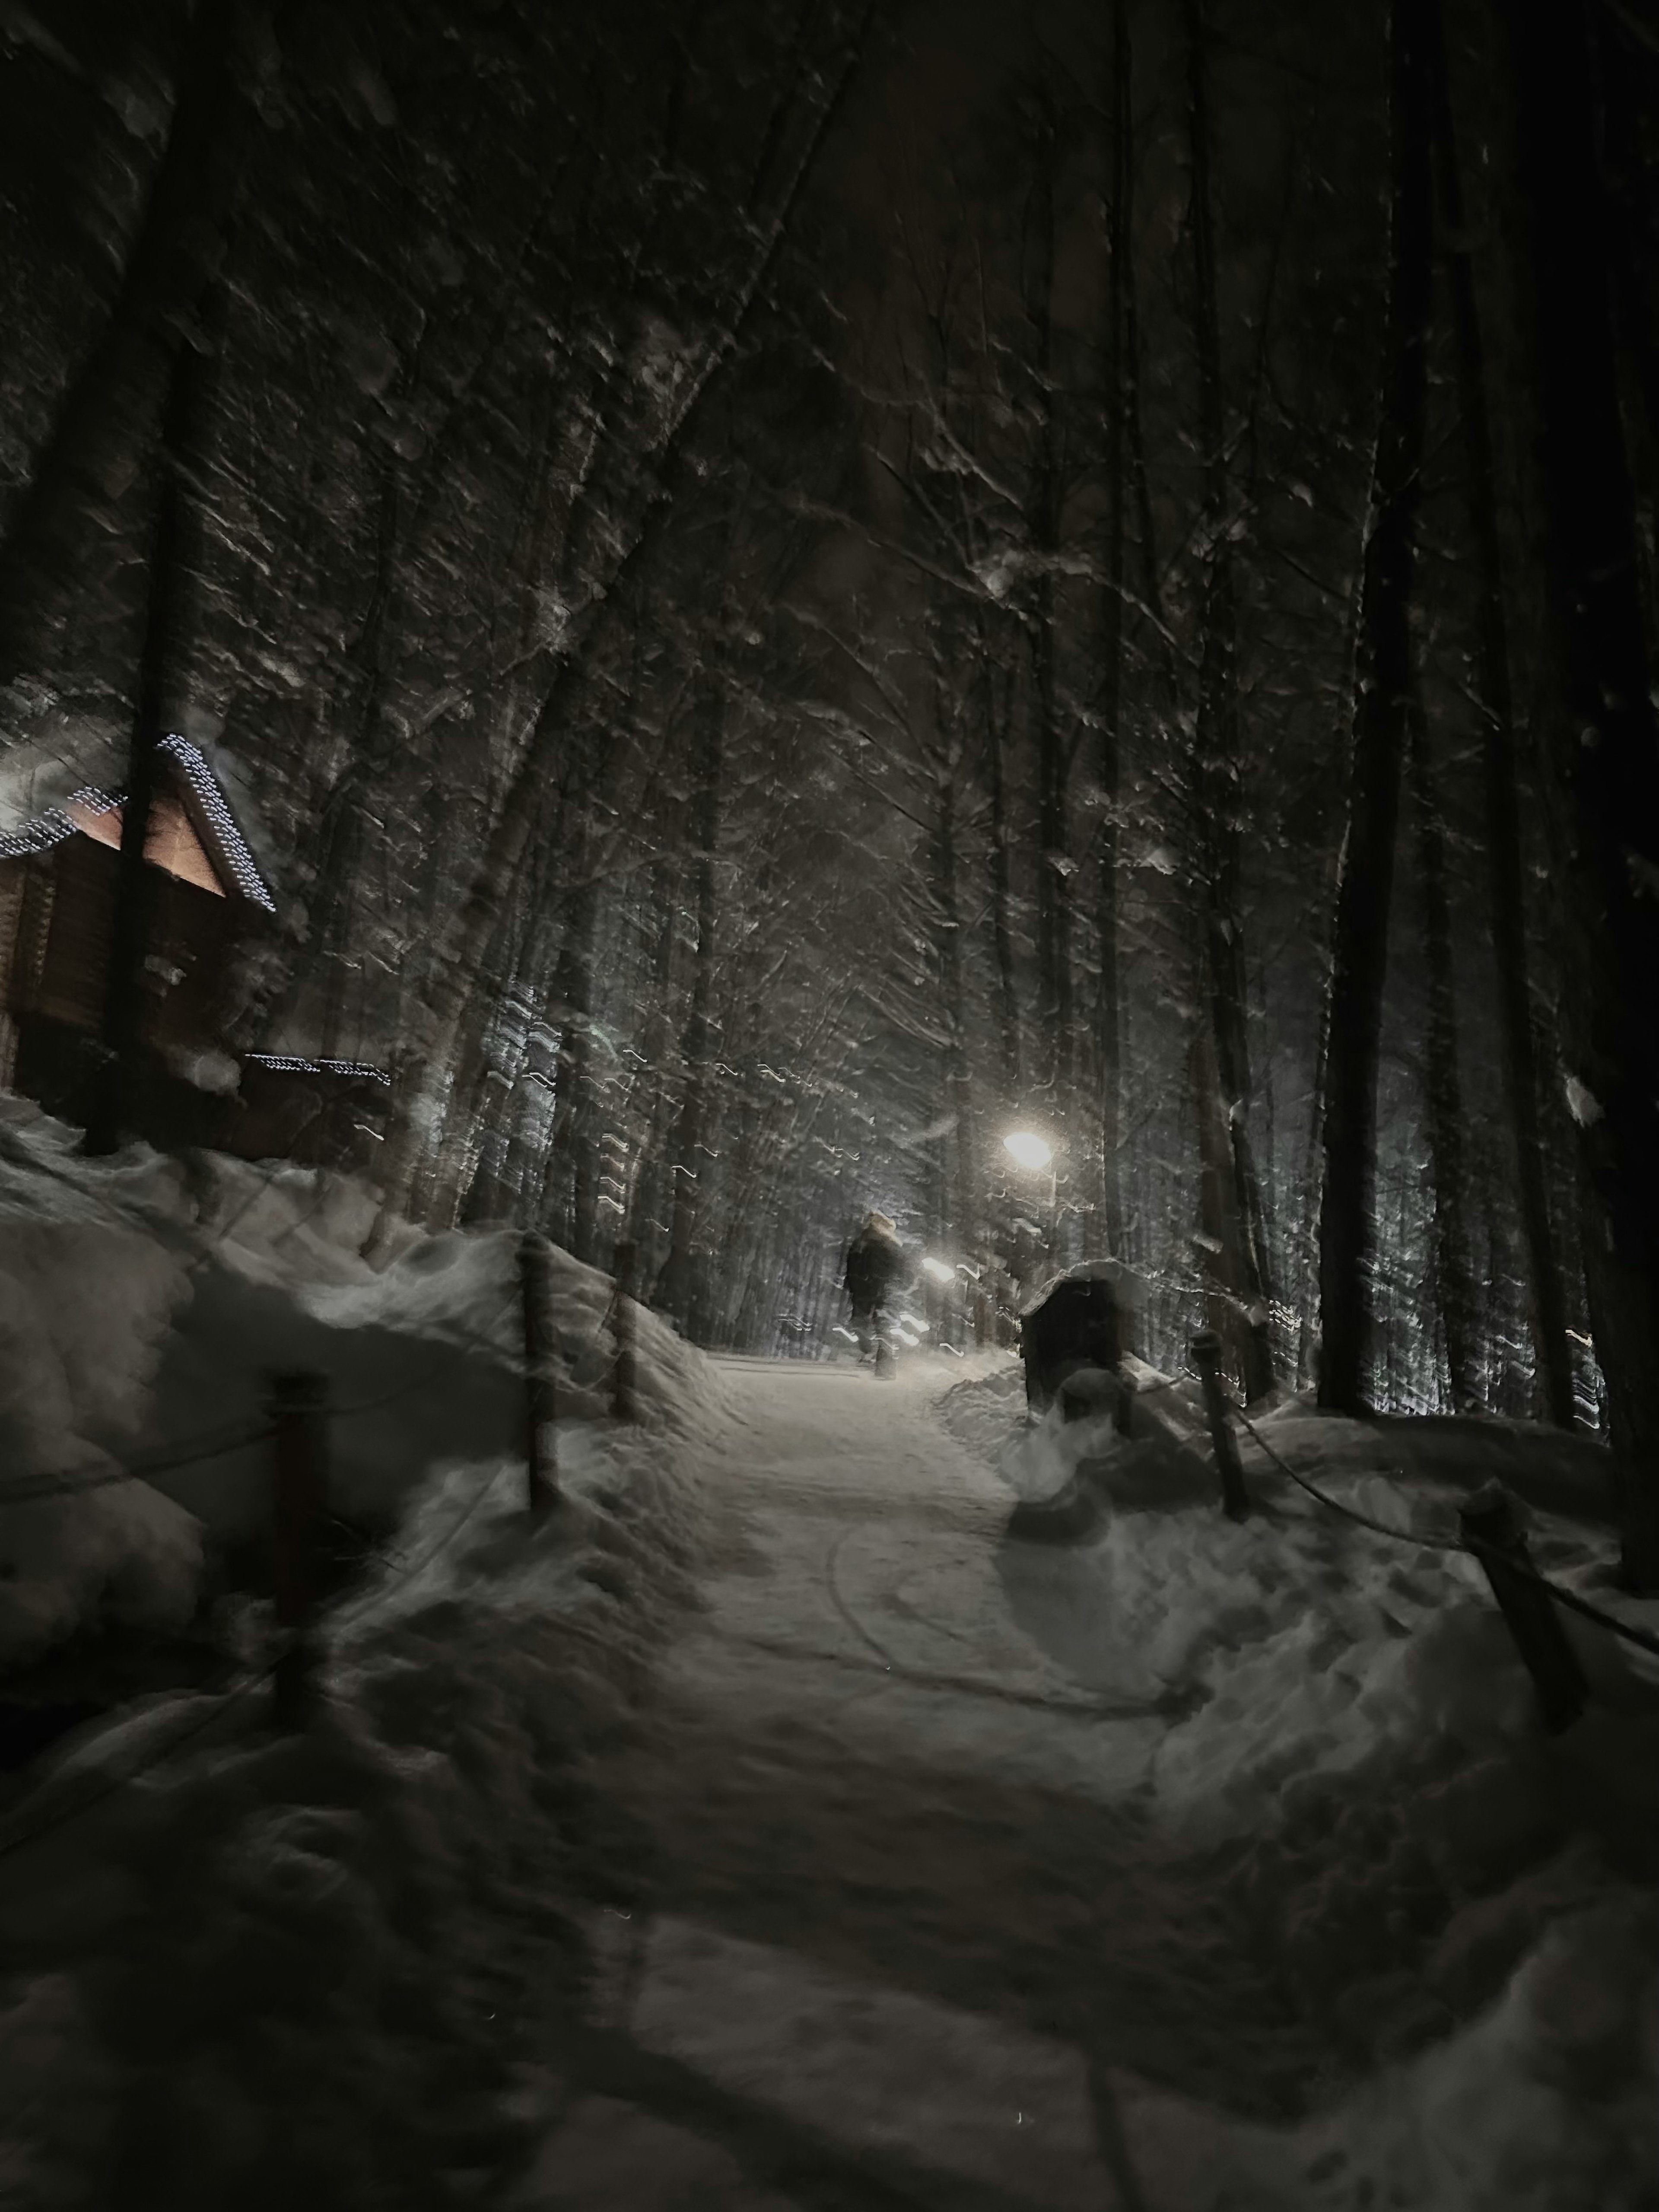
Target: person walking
[[876, 1268]]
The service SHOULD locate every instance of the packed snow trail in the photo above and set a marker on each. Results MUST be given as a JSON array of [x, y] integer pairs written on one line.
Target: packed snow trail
[[901, 1933]]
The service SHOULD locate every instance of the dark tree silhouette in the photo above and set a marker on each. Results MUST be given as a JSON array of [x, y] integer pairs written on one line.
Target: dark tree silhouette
[[1601, 741], [1360, 952]]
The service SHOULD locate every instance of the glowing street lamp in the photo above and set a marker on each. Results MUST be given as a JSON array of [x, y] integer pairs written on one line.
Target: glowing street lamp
[[1035, 1154], [940, 1271], [1027, 1149]]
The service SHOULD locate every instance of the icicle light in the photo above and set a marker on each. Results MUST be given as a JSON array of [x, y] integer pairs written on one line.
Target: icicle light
[[51, 827], [231, 843], [289, 1063]]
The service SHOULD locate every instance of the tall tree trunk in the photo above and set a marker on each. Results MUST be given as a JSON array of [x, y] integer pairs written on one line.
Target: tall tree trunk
[[1453, 1283], [572, 1177], [1359, 946], [677, 1291], [648, 1206], [1108, 1025], [1002, 922], [958, 1077], [465, 944], [1053, 895], [493, 1194], [1602, 742], [481, 1086], [1232, 1199], [1231, 1308], [104, 419], [334, 887], [576, 1131], [1505, 870], [121, 1076], [1627, 65]]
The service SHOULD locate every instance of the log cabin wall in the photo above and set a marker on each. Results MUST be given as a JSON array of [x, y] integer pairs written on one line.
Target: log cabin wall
[[62, 944], [12, 883]]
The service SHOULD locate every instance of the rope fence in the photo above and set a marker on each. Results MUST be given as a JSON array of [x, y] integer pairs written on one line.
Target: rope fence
[[300, 1419], [1490, 1531], [1477, 1546]]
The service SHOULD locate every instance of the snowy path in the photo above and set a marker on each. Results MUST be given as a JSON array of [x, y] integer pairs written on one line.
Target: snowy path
[[904, 1936]]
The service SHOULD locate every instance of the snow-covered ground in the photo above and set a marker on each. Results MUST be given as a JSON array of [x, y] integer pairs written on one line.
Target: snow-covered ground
[[1468, 1904], [143, 1305], [239, 1965], [1190, 1867], [771, 1828]]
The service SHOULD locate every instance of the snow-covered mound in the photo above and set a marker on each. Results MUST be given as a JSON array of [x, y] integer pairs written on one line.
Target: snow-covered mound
[[424, 1355], [1315, 1650], [245, 1966], [1546, 2102], [88, 1289], [143, 1305], [1467, 1904], [250, 1967]]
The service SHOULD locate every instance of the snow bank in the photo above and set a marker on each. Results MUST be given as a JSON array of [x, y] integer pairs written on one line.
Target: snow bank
[[1548, 2102], [143, 1304], [261, 1969], [121, 1555], [87, 1292], [1463, 1905], [1316, 1651]]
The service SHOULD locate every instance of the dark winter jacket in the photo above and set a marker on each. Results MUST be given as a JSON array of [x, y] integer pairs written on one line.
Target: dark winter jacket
[[875, 1269]]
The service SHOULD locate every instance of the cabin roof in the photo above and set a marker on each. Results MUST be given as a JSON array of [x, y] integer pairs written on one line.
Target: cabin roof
[[205, 806]]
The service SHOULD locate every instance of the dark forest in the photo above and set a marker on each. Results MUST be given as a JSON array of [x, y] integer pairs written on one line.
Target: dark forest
[[749, 600]]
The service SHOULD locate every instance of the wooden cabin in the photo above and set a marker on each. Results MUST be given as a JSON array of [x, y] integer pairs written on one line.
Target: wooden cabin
[[58, 881]]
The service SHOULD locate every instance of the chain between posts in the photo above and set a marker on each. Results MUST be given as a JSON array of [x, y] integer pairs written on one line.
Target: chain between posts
[[1489, 1531]]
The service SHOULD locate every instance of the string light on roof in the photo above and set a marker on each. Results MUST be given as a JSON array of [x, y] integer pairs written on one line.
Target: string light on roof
[[51, 827], [291, 1063], [231, 843], [40, 835]]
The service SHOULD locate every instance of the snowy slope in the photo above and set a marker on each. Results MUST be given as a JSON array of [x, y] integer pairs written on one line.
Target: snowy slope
[[243, 1966], [1470, 1902], [143, 1304]]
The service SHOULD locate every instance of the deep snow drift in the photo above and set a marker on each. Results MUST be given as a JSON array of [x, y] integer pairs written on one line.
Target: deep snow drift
[[262, 1968], [143, 1303], [1470, 1902], [247, 1968]]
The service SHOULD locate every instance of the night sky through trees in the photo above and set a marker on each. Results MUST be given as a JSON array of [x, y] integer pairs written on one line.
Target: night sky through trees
[[889, 496], [786, 596]]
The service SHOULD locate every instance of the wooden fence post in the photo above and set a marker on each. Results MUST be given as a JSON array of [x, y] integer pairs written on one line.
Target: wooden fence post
[[1490, 1526], [298, 1406], [540, 1390], [1206, 1350], [622, 1375]]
